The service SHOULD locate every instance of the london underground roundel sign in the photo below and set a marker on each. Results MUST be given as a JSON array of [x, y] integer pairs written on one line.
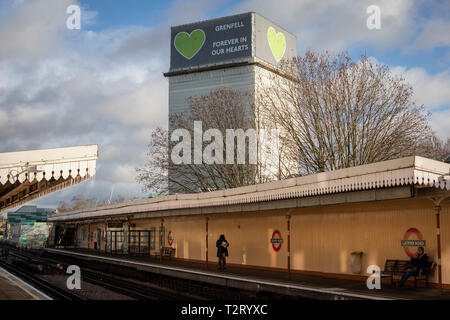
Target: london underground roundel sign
[[170, 238], [276, 240], [407, 242]]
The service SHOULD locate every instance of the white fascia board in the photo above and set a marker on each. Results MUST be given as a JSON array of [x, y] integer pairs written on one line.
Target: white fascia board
[[48, 156], [398, 172], [48, 163]]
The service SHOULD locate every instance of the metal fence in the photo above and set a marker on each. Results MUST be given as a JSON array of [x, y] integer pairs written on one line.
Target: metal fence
[[139, 243], [114, 243]]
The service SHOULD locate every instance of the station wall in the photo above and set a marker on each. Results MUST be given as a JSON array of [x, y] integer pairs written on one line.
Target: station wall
[[88, 234], [322, 238]]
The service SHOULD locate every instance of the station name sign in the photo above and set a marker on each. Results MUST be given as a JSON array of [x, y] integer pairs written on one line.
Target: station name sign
[[115, 224], [211, 41], [413, 243]]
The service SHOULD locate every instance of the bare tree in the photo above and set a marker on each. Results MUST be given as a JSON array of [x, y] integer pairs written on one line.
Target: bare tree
[[434, 148], [154, 174], [77, 203], [222, 109], [339, 113], [80, 203], [331, 113]]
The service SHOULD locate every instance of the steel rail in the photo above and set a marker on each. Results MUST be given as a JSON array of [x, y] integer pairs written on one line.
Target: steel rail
[[41, 284], [111, 283]]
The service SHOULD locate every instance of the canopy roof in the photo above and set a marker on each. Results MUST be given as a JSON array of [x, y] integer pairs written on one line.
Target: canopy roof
[[413, 170], [28, 175]]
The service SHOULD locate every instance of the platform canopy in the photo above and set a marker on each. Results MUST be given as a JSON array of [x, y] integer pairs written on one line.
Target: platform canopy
[[421, 173], [28, 175]]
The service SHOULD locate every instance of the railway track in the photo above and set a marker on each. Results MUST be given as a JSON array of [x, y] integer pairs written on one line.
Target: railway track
[[124, 287], [112, 283]]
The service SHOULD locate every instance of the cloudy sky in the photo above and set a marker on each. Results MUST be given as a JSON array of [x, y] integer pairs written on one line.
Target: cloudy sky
[[103, 84]]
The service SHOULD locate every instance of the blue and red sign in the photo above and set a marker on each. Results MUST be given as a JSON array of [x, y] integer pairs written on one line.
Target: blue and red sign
[[170, 238], [406, 242], [276, 240]]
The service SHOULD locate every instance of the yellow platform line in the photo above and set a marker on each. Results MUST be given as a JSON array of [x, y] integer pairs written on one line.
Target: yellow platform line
[[18, 285]]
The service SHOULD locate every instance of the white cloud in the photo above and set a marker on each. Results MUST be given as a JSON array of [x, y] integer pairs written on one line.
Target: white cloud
[[33, 29], [61, 88], [337, 24], [144, 106], [181, 11], [3, 122], [123, 173], [440, 123], [431, 90], [436, 33]]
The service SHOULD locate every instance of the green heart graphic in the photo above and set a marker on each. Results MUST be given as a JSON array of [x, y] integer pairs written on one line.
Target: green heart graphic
[[189, 44], [277, 43]]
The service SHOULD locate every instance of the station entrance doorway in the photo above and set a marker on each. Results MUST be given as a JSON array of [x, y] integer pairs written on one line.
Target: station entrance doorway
[[114, 242]]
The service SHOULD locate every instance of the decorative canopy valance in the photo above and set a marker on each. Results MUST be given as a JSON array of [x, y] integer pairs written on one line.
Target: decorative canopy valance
[[27, 175], [399, 172]]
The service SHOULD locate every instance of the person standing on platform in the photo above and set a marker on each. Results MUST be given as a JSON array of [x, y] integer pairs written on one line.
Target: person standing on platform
[[222, 252]]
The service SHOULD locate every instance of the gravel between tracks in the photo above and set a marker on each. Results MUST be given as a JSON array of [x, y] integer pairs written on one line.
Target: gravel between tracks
[[88, 291]]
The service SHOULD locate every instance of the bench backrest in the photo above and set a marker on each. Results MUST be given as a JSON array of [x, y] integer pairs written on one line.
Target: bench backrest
[[403, 265], [390, 266], [400, 266], [430, 268], [168, 251]]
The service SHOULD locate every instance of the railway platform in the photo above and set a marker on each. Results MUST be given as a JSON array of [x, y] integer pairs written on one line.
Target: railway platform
[[306, 286]]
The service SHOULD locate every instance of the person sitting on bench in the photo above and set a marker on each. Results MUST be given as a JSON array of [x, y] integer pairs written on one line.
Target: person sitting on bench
[[419, 262]]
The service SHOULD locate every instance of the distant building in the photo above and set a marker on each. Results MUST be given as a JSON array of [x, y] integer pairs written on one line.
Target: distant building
[[335, 224], [28, 225], [240, 52]]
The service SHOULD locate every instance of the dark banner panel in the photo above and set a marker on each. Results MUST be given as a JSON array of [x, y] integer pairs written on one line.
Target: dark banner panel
[[211, 42]]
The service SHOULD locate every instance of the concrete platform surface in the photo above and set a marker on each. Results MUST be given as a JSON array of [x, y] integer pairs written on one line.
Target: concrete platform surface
[[313, 286], [13, 288]]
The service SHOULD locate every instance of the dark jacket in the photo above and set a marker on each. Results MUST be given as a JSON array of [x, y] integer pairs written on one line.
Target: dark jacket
[[420, 263], [222, 249]]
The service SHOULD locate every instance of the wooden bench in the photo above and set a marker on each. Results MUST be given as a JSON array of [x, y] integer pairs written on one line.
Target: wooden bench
[[167, 252], [389, 270], [398, 268], [424, 274]]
